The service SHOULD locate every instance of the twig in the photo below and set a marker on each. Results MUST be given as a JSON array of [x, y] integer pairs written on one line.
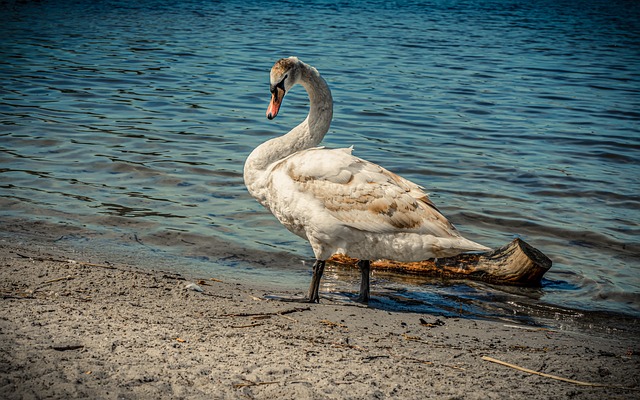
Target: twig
[[288, 317], [247, 326], [281, 313], [559, 378], [251, 383], [293, 310], [369, 358], [58, 260], [220, 296], [416, 360], [66, 347], [88, 264], [43, 284]]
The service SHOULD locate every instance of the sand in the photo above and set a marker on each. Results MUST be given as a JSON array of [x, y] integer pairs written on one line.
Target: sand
[[77, 325]]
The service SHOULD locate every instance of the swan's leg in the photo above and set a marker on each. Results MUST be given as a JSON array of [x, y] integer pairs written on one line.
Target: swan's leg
[[314, 288], [365, 266]]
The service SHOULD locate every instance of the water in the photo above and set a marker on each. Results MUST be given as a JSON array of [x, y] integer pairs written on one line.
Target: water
[[133, 119]]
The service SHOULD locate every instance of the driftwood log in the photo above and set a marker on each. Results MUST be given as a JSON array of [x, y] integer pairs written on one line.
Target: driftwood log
[[516, 263]]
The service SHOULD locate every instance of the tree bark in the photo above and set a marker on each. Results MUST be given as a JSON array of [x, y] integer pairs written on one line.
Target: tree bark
[[516, 263]]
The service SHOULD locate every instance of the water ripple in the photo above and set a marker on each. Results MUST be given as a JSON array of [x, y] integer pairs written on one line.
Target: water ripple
[[520, 118]]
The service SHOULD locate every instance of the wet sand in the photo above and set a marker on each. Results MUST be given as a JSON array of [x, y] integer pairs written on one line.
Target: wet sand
[[75, 324]]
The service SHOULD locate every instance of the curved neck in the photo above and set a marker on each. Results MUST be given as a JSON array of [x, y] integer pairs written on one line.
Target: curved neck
[[306, 135], [320, 105]]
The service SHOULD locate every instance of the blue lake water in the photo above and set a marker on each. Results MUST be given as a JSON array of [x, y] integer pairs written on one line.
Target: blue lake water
[[520, 118]]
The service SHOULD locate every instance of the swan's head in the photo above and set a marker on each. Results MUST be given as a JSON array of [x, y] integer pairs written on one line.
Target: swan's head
[[284, 74]]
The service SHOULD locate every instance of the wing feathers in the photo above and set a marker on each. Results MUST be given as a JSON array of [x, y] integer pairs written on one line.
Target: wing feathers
[[364, 195]]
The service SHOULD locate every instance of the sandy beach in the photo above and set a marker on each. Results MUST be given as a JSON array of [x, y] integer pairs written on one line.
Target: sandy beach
[[75, 325]]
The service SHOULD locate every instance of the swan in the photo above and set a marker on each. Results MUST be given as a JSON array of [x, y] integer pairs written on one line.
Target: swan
[[339, 203]]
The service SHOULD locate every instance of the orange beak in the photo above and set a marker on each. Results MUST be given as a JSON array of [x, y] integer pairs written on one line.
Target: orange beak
[[276, 100]]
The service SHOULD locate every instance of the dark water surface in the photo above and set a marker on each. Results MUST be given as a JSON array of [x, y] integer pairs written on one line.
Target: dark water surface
[[133, 119]]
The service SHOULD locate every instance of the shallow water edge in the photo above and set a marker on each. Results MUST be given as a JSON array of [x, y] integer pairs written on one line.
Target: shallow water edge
[[281, 272]]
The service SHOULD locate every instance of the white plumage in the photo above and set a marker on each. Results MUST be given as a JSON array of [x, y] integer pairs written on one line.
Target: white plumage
[[340, 203]]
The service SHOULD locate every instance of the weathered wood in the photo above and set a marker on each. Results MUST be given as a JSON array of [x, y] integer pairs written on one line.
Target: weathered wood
[[516, 263]]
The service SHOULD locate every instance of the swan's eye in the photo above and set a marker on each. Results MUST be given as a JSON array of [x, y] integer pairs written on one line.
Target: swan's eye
[[279, 85]]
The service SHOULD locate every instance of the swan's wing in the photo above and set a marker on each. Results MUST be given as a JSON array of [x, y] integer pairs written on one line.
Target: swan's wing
[[363, 195]]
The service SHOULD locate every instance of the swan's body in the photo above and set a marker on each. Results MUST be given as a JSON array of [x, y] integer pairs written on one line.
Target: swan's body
[[340, 203]]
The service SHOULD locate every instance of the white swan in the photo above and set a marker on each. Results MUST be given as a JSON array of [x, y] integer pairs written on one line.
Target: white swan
[[340, 203]]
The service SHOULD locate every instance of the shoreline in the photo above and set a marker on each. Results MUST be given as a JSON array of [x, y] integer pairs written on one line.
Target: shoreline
[[231, 261], [86, 328]]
